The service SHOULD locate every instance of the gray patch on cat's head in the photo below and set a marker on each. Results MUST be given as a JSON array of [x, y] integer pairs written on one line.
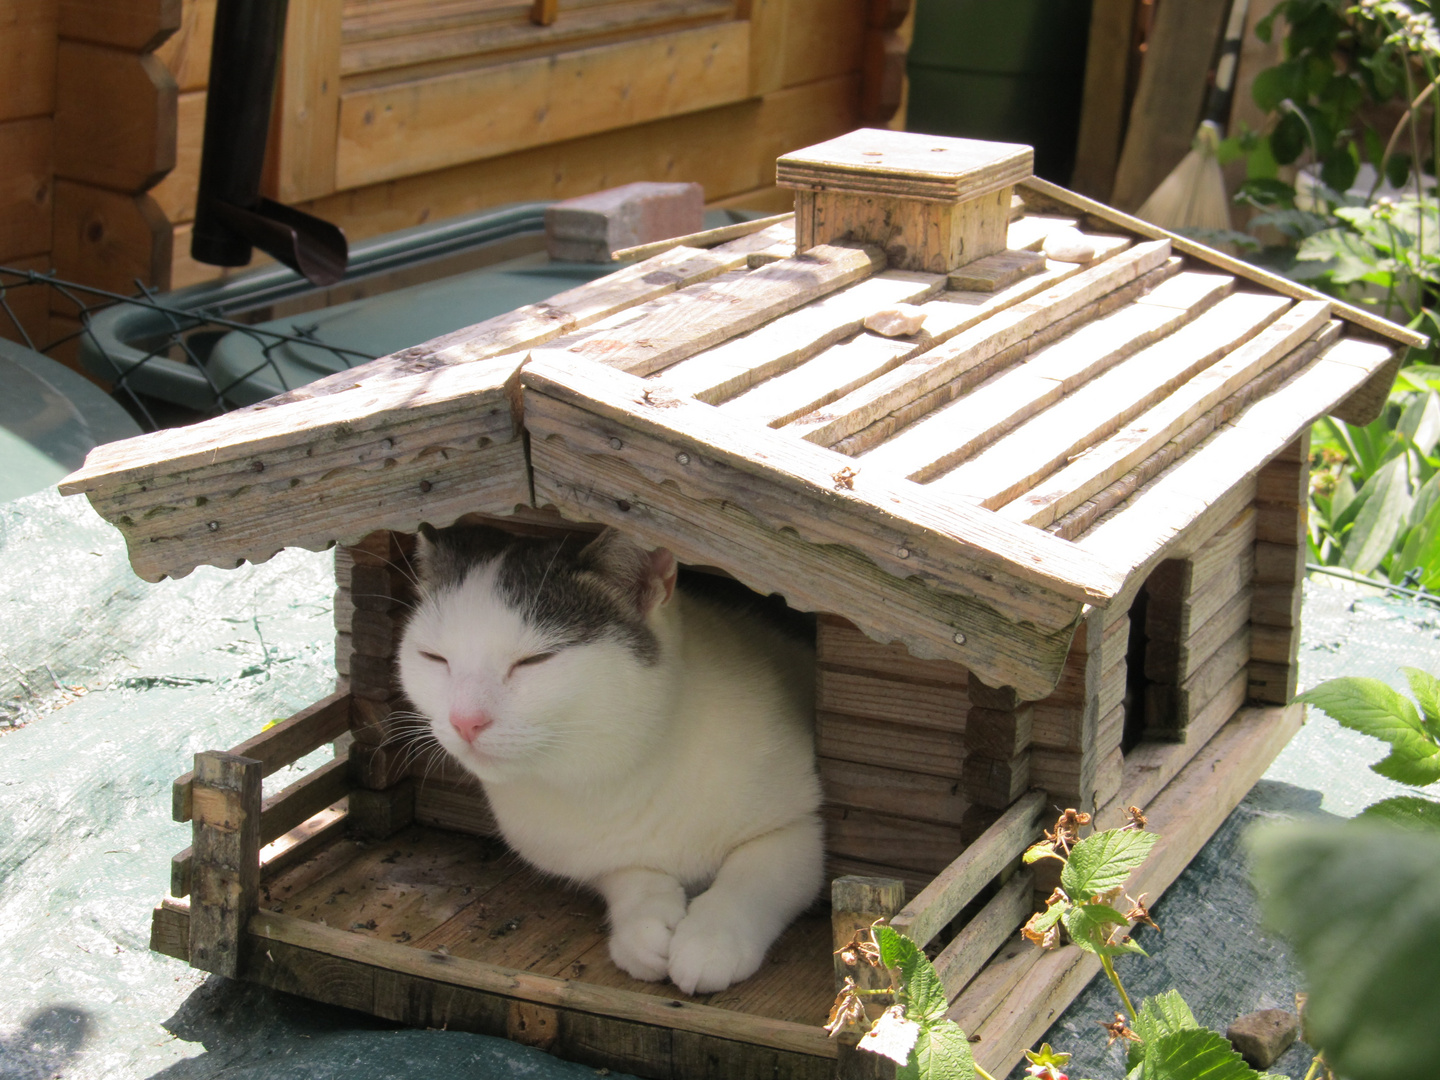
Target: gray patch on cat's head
[[576, 591]]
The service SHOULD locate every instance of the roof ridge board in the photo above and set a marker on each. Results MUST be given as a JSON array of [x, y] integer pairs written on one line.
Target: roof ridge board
[[936, 442], [1079, 520], [830, 479], [1264, 278], [1252, 439], [407, 401]]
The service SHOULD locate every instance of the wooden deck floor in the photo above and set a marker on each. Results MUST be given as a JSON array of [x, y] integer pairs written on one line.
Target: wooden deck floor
[[432, 889]]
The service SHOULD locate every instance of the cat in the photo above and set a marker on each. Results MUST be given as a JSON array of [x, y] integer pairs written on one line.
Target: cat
[[631, 736]]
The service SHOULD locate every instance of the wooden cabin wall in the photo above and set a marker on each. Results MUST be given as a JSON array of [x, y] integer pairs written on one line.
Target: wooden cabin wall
[[739, 91], [27, 157]]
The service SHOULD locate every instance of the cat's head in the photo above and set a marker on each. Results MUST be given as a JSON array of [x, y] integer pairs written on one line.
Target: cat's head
[[538, 657]]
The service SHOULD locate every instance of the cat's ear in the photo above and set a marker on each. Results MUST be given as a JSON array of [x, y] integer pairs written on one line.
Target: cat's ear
[[646, 577], [444, 556]]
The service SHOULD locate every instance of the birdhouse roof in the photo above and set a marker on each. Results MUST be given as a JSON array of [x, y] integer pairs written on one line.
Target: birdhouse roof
[[1036, 447]]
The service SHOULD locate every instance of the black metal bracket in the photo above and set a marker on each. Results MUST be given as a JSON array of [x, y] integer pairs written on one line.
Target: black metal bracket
[[231, 216]]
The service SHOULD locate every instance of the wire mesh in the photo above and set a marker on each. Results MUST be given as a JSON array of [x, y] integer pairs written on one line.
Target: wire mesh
[[183, 335]]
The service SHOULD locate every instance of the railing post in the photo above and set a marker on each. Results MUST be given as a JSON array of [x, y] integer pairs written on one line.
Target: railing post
[[225, 889]]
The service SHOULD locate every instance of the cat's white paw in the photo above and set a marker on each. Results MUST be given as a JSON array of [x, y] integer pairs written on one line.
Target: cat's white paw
[[640, 945], [713, 948]]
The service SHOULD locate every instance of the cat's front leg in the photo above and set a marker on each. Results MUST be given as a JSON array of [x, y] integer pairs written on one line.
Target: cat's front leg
[[645, 907], [762, 885]]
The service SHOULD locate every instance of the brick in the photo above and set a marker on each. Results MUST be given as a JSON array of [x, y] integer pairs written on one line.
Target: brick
[[590, 227]]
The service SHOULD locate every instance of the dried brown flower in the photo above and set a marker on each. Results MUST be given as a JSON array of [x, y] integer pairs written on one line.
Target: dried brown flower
[[1119, 1029], [1135, 819], [1139, 912]]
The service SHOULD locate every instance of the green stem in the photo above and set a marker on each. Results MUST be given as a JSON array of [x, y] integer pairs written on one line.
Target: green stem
[[981, 1072], [1110, 972], [1314, 1068]]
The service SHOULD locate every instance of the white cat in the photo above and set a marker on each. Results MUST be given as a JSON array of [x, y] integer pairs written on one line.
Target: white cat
[[630, 737]]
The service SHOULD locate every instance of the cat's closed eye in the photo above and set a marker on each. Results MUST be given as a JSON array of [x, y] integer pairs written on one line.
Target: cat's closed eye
[[538, 658], [436, 657]]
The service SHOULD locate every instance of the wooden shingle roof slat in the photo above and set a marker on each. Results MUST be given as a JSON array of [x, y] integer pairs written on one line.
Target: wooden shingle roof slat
[[1044, 194], [822, 569], [1076, 521], [878, 431], [935, 367], [938, 442], [713, 313], [1135, 534], [732, 368], [1019, 460], [564, 313], [1169, 416], [1022, 570]]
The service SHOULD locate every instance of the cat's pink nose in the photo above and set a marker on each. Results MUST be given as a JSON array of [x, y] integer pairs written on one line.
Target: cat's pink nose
[[470, 724]]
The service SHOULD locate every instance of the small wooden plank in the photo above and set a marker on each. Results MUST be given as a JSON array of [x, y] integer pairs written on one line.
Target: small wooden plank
[[308, 105], [936, 168], [1030, 452], [910, 844], [1180, 621], [455, 806], [703, 239], [278, 746], [226, 883], [928, 371], [1173, 660], [990, 928], [1170, 709], [27, 148], [979, 998], [952, 433], [427, 124], [1166, 418], [1169, 97], [995, 733], [895, 746], [942, 708], [1043, 193], [1062, 725], [926, 915], [170, 930], [995, 272], [856, 904], [895, 792], [1102, 104], [830, 374], [114, 117], [1181, 580], [665, 332], [839, 645]]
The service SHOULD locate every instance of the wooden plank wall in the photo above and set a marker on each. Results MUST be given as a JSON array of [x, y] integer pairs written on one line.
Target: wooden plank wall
[[889, 732], [27, 112], [802, 81]]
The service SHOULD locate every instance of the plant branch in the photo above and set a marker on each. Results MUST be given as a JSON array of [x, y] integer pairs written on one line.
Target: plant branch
[[1402, 126], [1110, 973]]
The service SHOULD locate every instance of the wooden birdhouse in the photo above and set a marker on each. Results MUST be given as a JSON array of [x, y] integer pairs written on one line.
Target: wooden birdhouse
[[1054, 539]]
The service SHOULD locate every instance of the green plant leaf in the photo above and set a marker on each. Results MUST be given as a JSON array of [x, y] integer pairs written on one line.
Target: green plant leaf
[[1372, 708], [1163, 1014], [892, 1036], [1411, 811], [1426, 689], [1104, 860], [941, 1053], [1195, 1054], [1403, 769], [1360, 904], [924, 992], [1386, 507]]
